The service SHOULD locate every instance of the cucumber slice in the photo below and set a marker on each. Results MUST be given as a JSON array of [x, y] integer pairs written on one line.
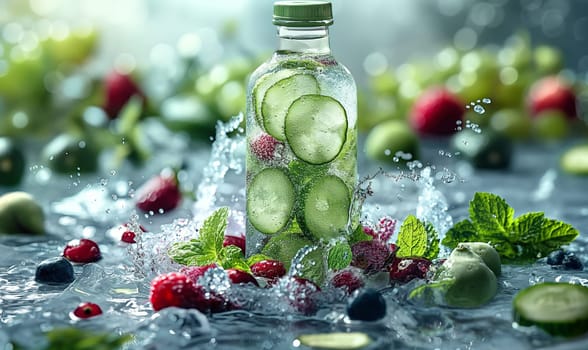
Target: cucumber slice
[[326, 207], [316, 128], [264, 83], [558, 308], [270, 200], [279, 97], [335, 341], [575, 160]]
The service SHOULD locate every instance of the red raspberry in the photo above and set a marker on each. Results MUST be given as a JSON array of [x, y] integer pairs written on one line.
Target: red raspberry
[[238, 241], [174, 289], [264, 147], [241, 277], [119, 88], [195, 272], [270, 269], [370, 255], [406, 269], [436, 112], [82, 251], [368, 230], [159, 193], [349, 280], [386, 227], [87, 310], [552, 93], [304, 296]]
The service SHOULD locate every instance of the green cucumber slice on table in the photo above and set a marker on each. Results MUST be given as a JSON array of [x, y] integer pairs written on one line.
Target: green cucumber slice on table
[[326, 207], [270, 200], [279, 97], [575, 160], [264, 83], [560, 309], [335, 341], [316, 128]]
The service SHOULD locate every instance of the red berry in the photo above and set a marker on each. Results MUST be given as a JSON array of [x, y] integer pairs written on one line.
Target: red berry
[[159, 193], [349, 280], [552, 93], [264, 147], [87, 310], [238, 241], [370, 255], [407, 269], [82, 251], [195, 272], [386, 227], [436, 112], [174, 289], [119, 88], [270, 269], [241, 277], [304, 293], [127, 233]]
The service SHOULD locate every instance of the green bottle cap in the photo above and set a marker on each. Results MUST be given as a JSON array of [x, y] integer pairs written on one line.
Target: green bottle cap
[[303, 13]]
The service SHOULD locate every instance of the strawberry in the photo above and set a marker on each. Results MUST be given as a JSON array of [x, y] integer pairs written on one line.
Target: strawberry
[[118, 89], [264, 147], [87, 310], [174, 289], [241, 277], [370, 256], [159, 194], [552, 93], [238, 241], [349, 279], [406, 269], [270, 269], [82, 251], [436, 112]]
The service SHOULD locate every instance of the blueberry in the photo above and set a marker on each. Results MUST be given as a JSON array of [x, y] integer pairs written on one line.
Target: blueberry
[[572, 262], [556, 257], [367, 305], [54, 271]]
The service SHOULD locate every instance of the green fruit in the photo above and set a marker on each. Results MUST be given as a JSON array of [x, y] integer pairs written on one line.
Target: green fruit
[[485, 150], [12, 163], [386, 139], [550, 125], [548, 59], [511, 122], [487, 253], [575, 160], [473, 283], [20, 213], [187, 113], [68, 154]]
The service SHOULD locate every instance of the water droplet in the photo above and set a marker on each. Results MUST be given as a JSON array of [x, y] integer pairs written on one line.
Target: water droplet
[[468, 107], [112, 172], [479, 109], [459, 122], [486, 100]]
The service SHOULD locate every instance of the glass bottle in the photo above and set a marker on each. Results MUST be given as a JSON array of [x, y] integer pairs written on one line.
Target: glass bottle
[[301, 135]]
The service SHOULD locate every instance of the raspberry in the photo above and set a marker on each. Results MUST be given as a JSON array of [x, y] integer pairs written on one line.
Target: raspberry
[[87, 310], [238, 241], [270, 269], [241, 277], [348, 279], [160, 193], [174, 289], [406, 269], [369, 256], [303, 297], [195, 272], [386, 228], [264, 147], [552, 93], [82, 251], [436, 112]]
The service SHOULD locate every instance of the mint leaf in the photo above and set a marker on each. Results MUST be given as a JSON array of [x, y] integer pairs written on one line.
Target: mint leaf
[[412, 238], [232, 258], [552, 236], [432, 242], [527, 227], [191, 253], [463, 231], [490, 213], [212, 232], [339, 256]]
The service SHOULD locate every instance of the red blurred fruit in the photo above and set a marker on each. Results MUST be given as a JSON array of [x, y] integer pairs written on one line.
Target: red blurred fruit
[[264, 147], [118, 89], [406, 269], [304, 294], [348, 279], [87, 310], [238, 241], [270, 269], [127, 233], [82, 251], [160, 193], [436, 112], [241, 277], [552, 93], [370, 256]]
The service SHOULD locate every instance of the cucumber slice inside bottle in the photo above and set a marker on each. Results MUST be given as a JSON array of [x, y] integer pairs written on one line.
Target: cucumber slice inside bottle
[[270, 200], [558, 308], [316, 128], [279, 97], [326, 208], [261, 87], [338, 341]]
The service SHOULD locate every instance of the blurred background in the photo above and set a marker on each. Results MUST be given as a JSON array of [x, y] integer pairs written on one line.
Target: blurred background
[[82, 76]]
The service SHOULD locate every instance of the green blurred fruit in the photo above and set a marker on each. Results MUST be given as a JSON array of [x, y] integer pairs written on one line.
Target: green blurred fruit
[[548, 59], [12, 163], [21, 214], [550, 125], [74, 48], [387, 139], [484, 150], [23, 80], [384, 84], [478, 76], [230, 99], [575, 160], [511, 122], [373, 110], [68, 154], [187, 113]]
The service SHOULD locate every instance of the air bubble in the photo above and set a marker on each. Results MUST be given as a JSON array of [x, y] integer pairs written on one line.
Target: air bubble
[[479, 109], [486, 100]]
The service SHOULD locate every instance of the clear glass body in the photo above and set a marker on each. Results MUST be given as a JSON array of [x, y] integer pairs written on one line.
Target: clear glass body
[[302, 51]]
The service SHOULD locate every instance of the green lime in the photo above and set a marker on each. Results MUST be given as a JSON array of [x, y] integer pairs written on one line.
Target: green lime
[[12, 163], [21, 214], [387, 139], [575, 160]]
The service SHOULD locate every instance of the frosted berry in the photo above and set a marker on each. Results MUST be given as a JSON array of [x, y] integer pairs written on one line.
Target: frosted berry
[[54, 271], [82, 251], [264, 147], [159, 194], [238, 241], [304, 295], [436, 112], [87, 310], [349, 280], [241, 277], [370, 255], [174, 289], [366, 305], [270, 269], [406, 269], [195, 272]]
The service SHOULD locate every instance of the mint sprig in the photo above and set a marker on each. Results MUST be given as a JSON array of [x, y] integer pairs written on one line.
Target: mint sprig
[[339, 256], [417, 239], [208, 247], [522, 239]]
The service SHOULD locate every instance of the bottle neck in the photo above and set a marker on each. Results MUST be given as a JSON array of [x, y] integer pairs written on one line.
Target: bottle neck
[[311, 40]]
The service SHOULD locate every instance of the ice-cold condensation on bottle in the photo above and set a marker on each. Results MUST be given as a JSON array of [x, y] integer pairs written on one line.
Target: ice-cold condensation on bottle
[[301, 135]]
